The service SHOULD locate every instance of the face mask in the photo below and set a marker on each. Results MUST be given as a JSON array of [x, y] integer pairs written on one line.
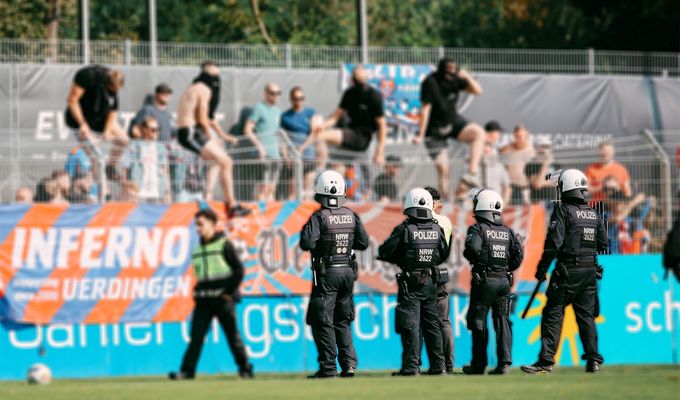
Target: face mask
[[213, 82]]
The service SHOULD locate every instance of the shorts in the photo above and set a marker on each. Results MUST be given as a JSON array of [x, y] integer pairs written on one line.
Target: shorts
[[356, 139], [308, 166], [192, 139], [271, 170], [436, 142]]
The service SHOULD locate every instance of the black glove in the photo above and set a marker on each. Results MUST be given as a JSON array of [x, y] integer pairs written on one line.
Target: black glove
[[600, 271], [540, 273]]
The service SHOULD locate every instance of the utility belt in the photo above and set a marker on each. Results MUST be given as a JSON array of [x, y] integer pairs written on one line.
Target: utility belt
[[480, 274], [321, 264], [415, 279], [575, 262]]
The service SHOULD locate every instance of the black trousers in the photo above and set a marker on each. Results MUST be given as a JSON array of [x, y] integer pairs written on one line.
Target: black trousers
[[330, 315], [492, 294], [206, 309], [447, 329], [578, 288], [417, 312]]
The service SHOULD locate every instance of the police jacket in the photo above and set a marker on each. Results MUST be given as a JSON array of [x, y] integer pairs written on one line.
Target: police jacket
[[333, 234], [415, 245], [494, 247], [575, 236], [217, 268]]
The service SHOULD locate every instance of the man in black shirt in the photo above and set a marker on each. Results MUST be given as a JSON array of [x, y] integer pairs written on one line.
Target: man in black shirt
[[91, 107], [364, 106], [384, 187], [440, 121]]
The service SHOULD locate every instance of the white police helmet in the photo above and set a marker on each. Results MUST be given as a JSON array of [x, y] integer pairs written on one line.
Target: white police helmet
[[330, 189], [418, 204], [487, 204], [573, 183]]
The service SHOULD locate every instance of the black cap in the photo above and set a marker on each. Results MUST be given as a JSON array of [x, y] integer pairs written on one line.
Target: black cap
[[493, 126], [163, 88], [392, 159]]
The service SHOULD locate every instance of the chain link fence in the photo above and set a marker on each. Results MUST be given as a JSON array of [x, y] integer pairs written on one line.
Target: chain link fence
[[587, 61]]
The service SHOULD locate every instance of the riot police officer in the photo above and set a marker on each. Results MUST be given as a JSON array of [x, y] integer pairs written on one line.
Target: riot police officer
[[494, 252], [331, 234], [575, 236], [417, 246]]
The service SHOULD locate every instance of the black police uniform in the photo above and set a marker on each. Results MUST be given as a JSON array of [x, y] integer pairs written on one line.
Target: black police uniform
[[576, 234], [417, 246], [330, 235], [494, 252]]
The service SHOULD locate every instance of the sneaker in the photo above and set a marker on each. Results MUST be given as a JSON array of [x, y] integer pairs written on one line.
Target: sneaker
[[237, 210], [500, 370], [450, 370], [404, 373], [436, 372], [537, 369], [180, 376], [347, 373], [247, 372], [471, 370], [321, 375], [592, 366], [470, 180]]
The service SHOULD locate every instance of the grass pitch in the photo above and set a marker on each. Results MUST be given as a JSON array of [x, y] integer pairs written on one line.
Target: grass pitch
[[631, 382]]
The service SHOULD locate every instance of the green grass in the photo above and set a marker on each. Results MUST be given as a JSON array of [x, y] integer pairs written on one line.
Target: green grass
[[633, 382]]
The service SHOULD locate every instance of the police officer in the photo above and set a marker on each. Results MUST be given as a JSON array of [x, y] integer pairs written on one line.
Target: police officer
[[417, 246], [218, 272], [575, 236], [331, 234], [494, 252]]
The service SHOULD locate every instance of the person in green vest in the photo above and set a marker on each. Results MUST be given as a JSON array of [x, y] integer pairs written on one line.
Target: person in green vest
[[218, 272]]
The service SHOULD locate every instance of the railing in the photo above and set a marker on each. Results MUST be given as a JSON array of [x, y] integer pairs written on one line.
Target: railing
[[586, 61]]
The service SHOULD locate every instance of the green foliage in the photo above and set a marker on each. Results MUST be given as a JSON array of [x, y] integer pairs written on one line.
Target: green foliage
[[601, 24]]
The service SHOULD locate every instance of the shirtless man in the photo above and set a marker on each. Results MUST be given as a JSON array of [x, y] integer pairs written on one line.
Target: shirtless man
[[195, 119]]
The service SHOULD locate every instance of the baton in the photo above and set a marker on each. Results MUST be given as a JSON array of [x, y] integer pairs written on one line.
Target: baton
[[531, 300]]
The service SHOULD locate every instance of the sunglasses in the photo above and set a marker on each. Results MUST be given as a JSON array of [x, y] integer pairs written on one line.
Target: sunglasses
[[152, 128], [274, 93], [299, 98]]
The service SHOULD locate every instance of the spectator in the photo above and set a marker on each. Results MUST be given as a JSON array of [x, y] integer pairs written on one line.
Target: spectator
[[53, 189], [91, 112], [23, 195], [146, 161], [608, 170], [81, 189], [79, 168], [364, 106], [495, 176], [493, 132], [440, 121], [626, 219], [158, 109], [538, 168], [515, 156], [299, 122], [384, 186], [195, 121], [261, 128]]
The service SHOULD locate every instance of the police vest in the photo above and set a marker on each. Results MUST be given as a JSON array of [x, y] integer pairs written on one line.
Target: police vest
[[209, 263], [580, 238], [422, 245], [496, 245], [337, 235]]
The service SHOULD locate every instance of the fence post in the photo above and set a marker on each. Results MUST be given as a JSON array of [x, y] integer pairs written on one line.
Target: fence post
[[440, 52], [591, 61], [289, 56], [128, 52], [666, 184]]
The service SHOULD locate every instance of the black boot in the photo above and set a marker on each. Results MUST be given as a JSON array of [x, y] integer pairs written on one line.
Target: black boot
[[537, 368], [500, 370], [404, 373], [592, 366], [347, 373], [322, 375], [180, 376], [246, 372], [472, 370]]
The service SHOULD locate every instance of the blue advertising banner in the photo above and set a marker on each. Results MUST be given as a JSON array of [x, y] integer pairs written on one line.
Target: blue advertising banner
[[638, 324]]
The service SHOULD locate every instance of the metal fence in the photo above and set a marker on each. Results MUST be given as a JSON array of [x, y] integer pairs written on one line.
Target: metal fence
[[638, 220], [586, 61]]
